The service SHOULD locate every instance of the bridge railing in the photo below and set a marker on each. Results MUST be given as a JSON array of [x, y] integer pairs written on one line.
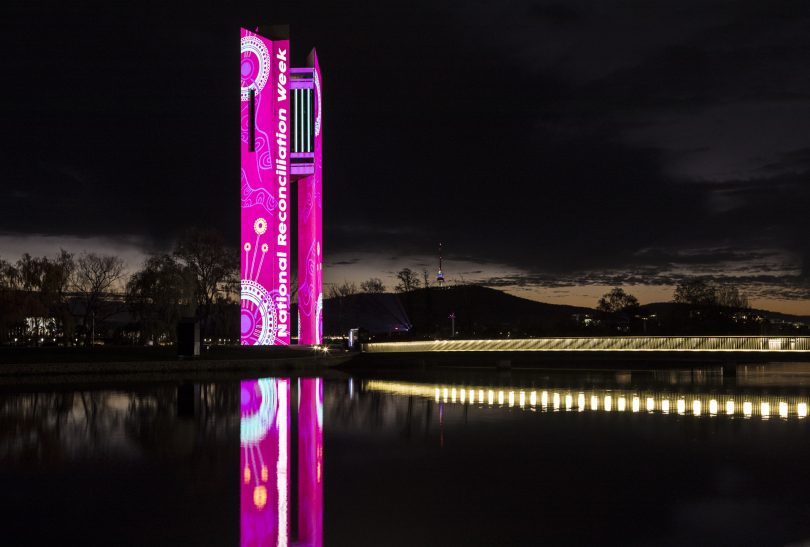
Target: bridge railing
[[782, 344]]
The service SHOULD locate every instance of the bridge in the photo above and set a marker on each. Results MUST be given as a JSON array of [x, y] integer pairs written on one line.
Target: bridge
[[624, 344]]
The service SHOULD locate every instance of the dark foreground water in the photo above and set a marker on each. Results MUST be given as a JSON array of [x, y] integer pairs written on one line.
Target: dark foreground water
[[449, 458]]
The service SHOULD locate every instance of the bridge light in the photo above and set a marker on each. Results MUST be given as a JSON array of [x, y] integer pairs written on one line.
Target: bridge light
[[500, 397], [801, 410], [491, 397], [681, 406], [650, 404], [636, 404], [783, 410], [522, 399], [569, 401], [480, 395], [748, 409], [556, 401], [533, 398], [765, 410], [544, 399], [608, 403], [665, 406], [729, 407], [594, 402], [444, 393], [511, 398], [581, 402], [622, 404], [696, 407], [437, 395], [713, 407], [453, 395], [463, 394]]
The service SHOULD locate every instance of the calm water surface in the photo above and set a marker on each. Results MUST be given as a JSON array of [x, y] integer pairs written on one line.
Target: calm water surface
[[448, 458]]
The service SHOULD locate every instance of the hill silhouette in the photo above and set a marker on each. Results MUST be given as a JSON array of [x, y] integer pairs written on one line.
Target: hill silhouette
[[490, 313], [479, 311]]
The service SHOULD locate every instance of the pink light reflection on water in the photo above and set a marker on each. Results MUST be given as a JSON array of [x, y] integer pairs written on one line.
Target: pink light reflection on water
[[265, 463]]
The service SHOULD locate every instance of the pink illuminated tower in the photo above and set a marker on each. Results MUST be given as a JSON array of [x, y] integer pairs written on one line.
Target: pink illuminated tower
[[280, 153]]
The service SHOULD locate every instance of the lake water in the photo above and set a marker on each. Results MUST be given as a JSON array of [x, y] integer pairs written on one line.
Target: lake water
[[443, 458]]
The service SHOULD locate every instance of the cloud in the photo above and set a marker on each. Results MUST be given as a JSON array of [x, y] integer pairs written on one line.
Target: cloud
[[544, 143]]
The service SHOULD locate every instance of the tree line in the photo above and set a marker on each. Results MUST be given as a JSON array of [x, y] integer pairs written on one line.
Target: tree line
[[691, 291], [407, 280], [700, 306], [69, 298]]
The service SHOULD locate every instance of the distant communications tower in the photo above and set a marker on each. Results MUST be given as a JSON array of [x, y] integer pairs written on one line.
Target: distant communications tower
[[440, 275]]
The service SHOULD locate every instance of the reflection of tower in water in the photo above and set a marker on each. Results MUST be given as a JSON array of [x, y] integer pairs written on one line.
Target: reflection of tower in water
[[281, 467]]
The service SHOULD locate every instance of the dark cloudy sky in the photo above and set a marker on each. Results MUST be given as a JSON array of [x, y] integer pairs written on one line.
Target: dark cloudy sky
[[555, 148]]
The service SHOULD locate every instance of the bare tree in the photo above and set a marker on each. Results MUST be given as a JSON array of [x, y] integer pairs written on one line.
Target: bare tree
[[156, 296], [347, 288], [695, 291], [372, 285], [10, 309], [408, 280], [213, 266], [9, 275], [730, 296], [95, 277], [44, 283]]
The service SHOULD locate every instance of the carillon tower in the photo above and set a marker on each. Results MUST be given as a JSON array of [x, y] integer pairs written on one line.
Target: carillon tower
[[280, 153]]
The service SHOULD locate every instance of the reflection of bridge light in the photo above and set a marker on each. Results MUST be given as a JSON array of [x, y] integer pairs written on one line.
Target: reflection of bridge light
[[613, 399]]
